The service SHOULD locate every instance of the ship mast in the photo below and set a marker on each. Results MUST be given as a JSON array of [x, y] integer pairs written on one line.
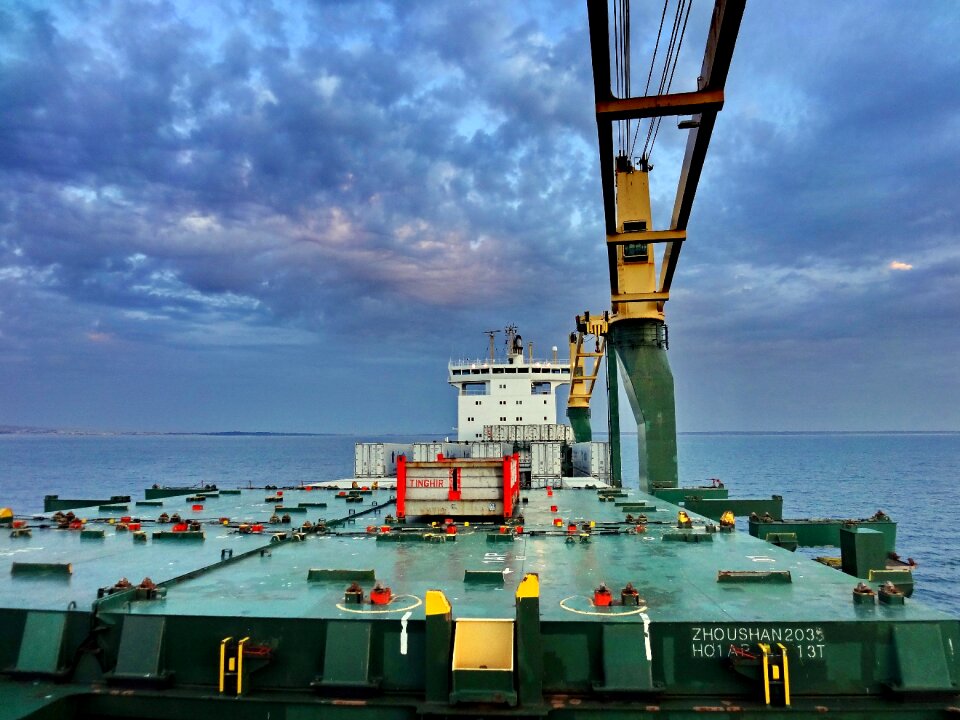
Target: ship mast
[[493, 347]]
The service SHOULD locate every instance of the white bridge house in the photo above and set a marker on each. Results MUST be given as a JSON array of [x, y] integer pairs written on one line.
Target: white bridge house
[[515, 390]]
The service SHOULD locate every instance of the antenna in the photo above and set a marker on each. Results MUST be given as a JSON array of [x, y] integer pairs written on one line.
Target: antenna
[[491, 334], [510, 341]]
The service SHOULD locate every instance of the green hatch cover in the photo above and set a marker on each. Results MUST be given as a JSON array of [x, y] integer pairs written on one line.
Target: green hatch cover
[[626, 667], [921, 659], [141, 648], [42, 645], [346, 661]]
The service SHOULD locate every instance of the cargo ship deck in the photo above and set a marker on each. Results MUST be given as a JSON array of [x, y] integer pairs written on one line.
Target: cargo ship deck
[[706, 600]]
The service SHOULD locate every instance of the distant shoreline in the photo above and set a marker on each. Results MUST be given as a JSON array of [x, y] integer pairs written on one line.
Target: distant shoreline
[[151, 433]]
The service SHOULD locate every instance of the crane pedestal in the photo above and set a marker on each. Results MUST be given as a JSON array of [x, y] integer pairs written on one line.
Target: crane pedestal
[[641, 349]]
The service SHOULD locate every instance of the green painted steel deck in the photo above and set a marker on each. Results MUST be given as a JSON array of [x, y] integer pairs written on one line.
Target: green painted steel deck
[[285, 590], [818, 532]]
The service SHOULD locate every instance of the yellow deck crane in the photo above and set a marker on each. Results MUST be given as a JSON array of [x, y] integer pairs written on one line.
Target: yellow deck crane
[[584, 370], [634, 333]]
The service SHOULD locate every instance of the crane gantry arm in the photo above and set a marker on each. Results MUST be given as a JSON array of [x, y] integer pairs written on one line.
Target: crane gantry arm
[[634, 336], [703, 103]]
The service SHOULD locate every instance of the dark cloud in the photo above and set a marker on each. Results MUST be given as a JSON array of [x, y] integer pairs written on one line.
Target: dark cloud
[[270, 194]]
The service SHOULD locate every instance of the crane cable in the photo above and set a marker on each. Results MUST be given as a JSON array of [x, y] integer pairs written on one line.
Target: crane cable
[[671, 46], [672, 72], [670, 60], [621, 31], [625, 15], [653, 60]]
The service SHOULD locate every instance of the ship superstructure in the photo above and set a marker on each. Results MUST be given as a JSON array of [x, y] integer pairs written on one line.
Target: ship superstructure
[[506, 406], [513, 389]]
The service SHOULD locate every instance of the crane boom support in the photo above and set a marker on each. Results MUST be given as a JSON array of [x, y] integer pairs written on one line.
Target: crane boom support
[[636, 338]]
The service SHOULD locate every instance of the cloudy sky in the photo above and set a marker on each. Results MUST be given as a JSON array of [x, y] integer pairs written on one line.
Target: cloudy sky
[[290, 216]]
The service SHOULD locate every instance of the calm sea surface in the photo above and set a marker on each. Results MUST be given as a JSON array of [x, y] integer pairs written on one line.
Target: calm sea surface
[[913, 478]]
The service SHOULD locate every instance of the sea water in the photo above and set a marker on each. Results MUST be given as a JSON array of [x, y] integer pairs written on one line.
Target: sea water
[[911, 477]]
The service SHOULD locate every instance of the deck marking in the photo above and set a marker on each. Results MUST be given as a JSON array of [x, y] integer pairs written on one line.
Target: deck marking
[[416, 603], [11, 553], [646, 635], [403, 632], [608, 613]]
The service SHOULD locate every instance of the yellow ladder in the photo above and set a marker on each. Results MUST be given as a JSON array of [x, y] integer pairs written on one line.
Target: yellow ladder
[[776, 675], [231, 663]]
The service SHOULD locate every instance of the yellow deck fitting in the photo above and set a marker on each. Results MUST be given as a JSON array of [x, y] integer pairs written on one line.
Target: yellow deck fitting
[[240, 645], [437, 603], [529, 587], [776, 671], [223, 662]]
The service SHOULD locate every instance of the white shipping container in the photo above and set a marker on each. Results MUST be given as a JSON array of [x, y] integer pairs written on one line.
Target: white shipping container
[[488, 449], [544, 432], [591, 459], [428, 451], [546, 459], [494, 433], [501, 433], [377, 460], [456, 449], [524, 454], [423, 451]]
